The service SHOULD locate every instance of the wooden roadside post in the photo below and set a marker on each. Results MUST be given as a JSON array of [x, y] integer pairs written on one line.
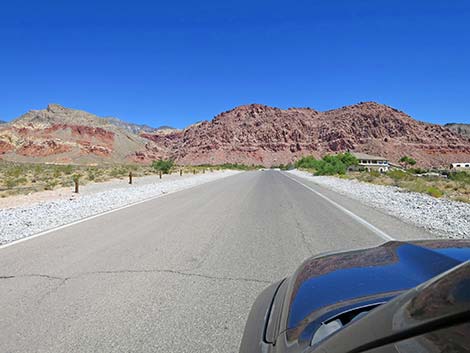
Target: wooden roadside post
[[130, 177], [203, 170], [194, 171], [75, 179], [181, 172], [160, 174]]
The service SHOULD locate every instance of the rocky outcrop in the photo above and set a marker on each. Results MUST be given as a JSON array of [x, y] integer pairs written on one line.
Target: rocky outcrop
[[42, 148], [461, 129]]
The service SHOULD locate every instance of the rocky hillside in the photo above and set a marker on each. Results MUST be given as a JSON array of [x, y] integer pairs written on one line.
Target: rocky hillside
[[461, 129], [62, 135], [258, 134], [250, 134]]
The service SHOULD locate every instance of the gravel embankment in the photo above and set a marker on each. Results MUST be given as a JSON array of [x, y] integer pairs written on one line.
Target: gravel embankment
[[21, 222], [442, 217]]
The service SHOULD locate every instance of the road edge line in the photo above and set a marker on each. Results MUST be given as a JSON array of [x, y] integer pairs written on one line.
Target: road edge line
[[359, 219], [14, 242]]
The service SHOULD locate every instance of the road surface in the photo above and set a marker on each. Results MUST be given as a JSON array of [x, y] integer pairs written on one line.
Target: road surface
[[178, 273]]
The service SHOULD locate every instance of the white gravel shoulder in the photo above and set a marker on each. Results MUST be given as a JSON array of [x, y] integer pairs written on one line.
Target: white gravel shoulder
[[442, 217], [24, 221]]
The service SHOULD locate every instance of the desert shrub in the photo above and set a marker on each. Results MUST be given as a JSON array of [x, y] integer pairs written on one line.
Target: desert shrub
[[57, 172], [417, 170], [463, 177], [14, 171], [434, 192], [398, 175], [329, 164], [51, 184], [406, 160], [38, 169], [11, 183], [163, 165], [307, 162], [416, 185], [68, 169], [22, 180], [91, 173], [117, 172]]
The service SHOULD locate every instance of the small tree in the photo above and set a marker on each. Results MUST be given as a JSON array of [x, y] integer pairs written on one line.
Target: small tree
[[407, 161], [163, 165]]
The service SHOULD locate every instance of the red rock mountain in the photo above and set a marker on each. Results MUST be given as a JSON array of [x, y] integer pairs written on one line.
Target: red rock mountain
[[62, 135], [251, 134], [263, 135]]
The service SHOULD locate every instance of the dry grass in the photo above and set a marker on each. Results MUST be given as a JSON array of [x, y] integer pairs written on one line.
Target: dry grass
[[456, 187], [18, 178]]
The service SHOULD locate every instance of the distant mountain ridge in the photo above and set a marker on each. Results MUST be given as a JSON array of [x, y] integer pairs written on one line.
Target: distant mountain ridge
[[462, 129], [249, 134], [62, 135], [137, 128]]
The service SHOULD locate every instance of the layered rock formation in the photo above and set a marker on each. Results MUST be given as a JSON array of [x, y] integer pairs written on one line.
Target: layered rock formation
[[258, 134], [62, 135]]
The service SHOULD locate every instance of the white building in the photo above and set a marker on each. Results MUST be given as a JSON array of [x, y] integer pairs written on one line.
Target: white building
[[460, 166], [370, 162]]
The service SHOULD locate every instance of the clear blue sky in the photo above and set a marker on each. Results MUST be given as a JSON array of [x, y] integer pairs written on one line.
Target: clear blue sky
[[177, 62]]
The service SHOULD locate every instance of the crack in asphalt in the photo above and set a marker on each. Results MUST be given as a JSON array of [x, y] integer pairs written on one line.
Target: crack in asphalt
[[299, 229], [35, 275], [182, 273]]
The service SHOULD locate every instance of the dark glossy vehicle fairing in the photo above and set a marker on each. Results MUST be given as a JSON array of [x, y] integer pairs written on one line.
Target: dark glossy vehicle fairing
[[450, 339], [331, 284], [441, 302]]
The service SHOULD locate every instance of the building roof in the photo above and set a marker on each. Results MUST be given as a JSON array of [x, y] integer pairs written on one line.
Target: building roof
[[370, 157]]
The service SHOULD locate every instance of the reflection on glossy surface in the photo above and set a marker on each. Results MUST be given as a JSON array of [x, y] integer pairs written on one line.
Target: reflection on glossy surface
[[447, 295], [331, 283], [455, 339]]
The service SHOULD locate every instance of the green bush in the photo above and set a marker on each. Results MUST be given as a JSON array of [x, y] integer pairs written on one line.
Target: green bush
[[463, 177], [407, 161], [10, 183], [435, 192], [91, 173], [308, 162], [163, 165], [329, 164]]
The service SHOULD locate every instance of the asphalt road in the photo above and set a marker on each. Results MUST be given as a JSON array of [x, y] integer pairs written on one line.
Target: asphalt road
[[175, 274]]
